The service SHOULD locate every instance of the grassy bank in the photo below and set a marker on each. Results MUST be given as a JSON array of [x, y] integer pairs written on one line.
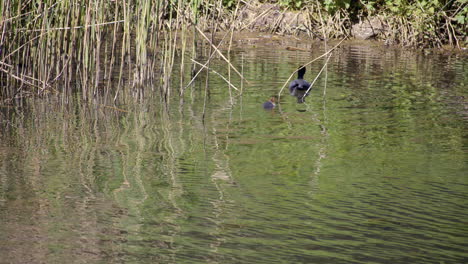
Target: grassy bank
[[107, 48]]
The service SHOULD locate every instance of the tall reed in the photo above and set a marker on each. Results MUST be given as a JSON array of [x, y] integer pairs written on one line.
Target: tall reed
[[97, 48]]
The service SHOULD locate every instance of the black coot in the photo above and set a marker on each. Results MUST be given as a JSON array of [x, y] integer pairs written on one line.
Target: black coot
[[299, 87]]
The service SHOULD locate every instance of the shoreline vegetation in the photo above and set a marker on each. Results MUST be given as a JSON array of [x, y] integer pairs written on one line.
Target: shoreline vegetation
[[87, 48]]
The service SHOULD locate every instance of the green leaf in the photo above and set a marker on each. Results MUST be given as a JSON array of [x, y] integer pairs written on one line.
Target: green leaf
[[460, 19]]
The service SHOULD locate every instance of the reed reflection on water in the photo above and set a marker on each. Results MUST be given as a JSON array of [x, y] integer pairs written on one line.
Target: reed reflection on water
[[370, 169]]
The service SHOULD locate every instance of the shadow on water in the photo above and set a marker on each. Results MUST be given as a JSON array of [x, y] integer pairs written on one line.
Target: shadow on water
[[372, 171]]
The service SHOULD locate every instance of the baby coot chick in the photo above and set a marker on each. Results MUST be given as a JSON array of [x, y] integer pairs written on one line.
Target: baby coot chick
[[271, 103], [299, 87]]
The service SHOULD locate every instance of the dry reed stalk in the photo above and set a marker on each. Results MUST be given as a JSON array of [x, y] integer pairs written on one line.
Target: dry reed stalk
[[49, 30], [23, 80], [206, 63], [215, 72], [182, 61], [326, 48], [229, 50], [22, 46], [277, 22], [318, 75], [257, 17], [208, 72], [292, 74], [221, 54], [242, 71]]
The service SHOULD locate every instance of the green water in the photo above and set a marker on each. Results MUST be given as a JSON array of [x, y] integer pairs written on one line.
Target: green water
[[371, 169]]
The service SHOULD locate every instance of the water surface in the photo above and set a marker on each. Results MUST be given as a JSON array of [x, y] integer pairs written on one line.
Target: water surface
[[371, 169]]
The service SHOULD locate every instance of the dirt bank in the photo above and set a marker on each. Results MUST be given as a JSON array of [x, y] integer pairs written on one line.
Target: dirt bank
[[312, 22]]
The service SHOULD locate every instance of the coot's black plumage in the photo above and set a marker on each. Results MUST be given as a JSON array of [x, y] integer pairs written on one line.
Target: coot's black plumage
[[299, 87]]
